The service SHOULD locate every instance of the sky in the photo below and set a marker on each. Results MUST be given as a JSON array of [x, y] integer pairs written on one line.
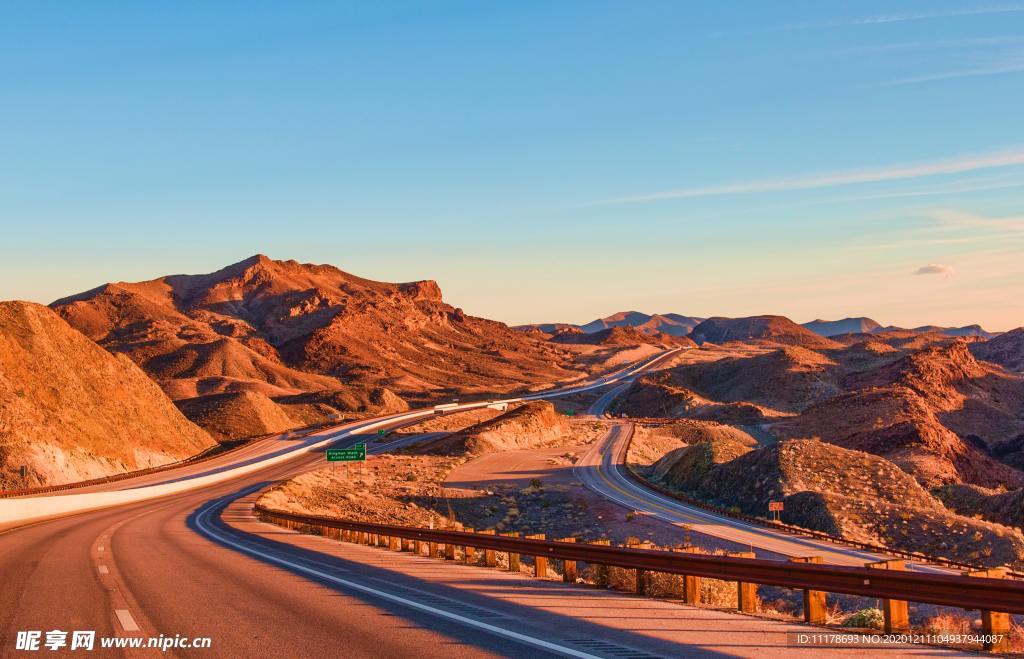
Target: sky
[[542, 161]]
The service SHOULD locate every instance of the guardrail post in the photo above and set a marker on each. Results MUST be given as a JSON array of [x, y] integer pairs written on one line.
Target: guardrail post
[[691, 582], [746, 593], [568, 567], [490, 556], [897, 618], [994, 623], [540, 563], [513, 558], [395, 543], [600, 573], [432, 551], [417, 547], [814, 600], [468, 553], [449, 551]]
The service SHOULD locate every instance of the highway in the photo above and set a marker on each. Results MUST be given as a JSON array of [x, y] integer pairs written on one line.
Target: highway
[[195, 562], [602, 470], [171, 565]]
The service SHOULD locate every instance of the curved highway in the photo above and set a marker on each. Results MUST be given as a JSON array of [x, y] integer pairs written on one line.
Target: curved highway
[[602, 470]]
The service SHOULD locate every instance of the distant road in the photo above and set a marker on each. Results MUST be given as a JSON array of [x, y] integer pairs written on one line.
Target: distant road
[[602, 469]]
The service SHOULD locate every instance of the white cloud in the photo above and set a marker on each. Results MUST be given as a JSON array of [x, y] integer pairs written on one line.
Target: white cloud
[[935, 269], [955, 165], [902, 17], [991, 70]]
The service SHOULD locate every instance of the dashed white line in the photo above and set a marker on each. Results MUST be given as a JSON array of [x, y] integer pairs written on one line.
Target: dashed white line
[[103, 569], [124, 616]]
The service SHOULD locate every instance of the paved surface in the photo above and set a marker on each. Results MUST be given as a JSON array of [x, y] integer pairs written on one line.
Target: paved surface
[[196, 564]]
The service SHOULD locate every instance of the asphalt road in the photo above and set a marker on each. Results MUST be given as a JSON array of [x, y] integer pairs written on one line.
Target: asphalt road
[[197, 564]]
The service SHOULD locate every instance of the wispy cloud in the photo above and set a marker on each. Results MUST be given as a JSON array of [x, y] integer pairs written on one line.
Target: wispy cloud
[[902, 17], [1014, 64], [934, 44], [965, 220], [954, 165], [935, 269]]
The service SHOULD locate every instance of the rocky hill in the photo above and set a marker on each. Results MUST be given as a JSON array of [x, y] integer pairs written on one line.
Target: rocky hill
[[843, 492], [830, 328], [621, 336], [70, 410], [532, 425], [1007, 350], [283, 328], [777, 330], [671, 323], [937, 413]]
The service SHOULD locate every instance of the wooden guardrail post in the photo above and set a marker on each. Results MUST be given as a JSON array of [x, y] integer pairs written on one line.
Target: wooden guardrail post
[[897, 618], [814, 600], [540, 563], [600, 573], [432, 549], [490, 556], [568, 567], [994, 623], [513, 558], [394, 543], [468, 553], [449, 551], [691, 582], [640, 576], [746, 593]]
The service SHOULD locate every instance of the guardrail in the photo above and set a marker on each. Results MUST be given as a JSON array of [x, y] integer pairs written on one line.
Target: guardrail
[[631, 473], [987, 591]]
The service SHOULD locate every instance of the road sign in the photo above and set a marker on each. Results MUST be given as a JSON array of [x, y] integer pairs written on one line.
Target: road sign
[[354, 453], [775, 506], [570, 412], [381, 432]]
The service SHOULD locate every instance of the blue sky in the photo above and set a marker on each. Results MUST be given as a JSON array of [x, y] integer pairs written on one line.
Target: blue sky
[[542, 161]]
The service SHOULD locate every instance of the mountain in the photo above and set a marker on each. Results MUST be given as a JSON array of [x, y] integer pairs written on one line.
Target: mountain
[[1007, 350], [312, 340], [767, 329], [860, 325], [619, 335], [70, 410], [670, 323], [967, 330], [937, 413], [283, 328]]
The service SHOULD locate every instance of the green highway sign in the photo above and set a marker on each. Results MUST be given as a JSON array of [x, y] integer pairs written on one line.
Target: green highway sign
[[353, 453]]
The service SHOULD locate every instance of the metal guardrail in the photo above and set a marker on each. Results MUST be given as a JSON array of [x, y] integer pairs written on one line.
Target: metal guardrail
[[972, 593], [799, 530]]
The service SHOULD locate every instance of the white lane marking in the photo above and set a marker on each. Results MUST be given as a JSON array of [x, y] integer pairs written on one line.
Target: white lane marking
[[500, 631], [100, 548], [103, 569], [124, 616]]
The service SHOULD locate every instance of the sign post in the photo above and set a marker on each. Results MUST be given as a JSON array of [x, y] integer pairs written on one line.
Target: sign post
[[775, 507]]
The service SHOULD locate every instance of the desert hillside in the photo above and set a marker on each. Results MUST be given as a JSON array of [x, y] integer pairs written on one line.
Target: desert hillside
[[777, 330], [1007, 350], [283, 330], [852, 494], [936, 411], [282, 327], [69, 410]]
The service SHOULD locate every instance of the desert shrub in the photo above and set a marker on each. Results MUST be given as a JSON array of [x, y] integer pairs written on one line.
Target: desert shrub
[[870, 618], [947, 623]]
